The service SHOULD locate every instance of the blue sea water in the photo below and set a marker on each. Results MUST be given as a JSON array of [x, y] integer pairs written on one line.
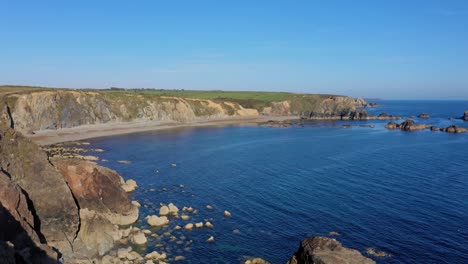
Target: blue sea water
[[404, 193]]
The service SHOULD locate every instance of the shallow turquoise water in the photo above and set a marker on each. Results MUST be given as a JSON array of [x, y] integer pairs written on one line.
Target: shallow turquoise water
[[405, 193]]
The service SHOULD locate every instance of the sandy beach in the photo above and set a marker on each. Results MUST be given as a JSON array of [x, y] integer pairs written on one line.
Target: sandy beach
[[47, 137]]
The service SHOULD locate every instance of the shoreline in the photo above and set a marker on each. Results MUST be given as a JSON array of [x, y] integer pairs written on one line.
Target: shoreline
[[48, 137]]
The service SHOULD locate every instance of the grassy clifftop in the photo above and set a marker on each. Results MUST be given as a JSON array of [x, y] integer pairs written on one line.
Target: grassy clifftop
[[39, 108]]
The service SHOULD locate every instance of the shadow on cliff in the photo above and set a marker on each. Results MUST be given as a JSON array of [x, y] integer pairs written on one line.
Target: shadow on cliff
[[16, 245]]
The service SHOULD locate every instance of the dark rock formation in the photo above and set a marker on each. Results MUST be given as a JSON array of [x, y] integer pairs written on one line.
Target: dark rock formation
[[383, 115], [54, 209], [424, 115], [323, 250], [358, 115], [434, 128]]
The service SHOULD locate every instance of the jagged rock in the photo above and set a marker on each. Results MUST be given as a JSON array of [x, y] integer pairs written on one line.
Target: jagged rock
[[423, 115], [47, 191], [326, 250], [98, 188]]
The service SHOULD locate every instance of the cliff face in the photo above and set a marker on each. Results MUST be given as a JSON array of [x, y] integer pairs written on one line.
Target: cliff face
[[67, 108], [61, 109], [54, 209], [71, 208]]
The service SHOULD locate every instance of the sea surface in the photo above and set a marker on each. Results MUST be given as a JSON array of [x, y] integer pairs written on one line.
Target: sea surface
[[404, 193]]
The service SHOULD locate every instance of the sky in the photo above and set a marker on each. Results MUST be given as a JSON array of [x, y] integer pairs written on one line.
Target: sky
[[411, 49]]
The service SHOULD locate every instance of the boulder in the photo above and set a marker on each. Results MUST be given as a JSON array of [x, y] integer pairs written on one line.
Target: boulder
[[129, 185], [139, 238], [173, 209], [423, 115], [154, 220], [164, 210], [434, 128], [98, 188], [326, 250], [391, 125], [227, 213]]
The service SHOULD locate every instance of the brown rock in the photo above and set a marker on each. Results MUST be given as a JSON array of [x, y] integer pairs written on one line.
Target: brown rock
[[325, 250], [455, 129], [391, 125], [98, 188]]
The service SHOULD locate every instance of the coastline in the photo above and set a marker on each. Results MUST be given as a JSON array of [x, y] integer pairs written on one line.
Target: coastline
[[47, 137]]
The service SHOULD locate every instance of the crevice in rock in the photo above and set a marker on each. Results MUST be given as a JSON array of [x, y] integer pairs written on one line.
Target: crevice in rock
[[10, 116], [37, 221]]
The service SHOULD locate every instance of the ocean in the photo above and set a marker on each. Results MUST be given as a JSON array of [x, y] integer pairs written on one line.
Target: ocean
[[403, 193]]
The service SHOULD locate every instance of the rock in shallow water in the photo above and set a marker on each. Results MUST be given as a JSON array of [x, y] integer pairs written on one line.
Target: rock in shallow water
[[326, 250]]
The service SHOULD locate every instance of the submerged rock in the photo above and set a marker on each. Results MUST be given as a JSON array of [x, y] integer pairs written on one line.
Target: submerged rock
[[326, 250]]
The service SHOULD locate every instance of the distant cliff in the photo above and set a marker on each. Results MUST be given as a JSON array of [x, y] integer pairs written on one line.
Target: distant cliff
[[39, 109]]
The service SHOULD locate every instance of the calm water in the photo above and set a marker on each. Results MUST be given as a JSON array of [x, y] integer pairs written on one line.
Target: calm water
[[400, 192]]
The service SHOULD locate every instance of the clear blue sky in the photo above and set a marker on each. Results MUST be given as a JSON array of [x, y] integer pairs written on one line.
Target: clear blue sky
[[387, 49]]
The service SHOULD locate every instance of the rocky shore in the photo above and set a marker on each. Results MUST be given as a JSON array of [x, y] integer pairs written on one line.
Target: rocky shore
[[410, 125]]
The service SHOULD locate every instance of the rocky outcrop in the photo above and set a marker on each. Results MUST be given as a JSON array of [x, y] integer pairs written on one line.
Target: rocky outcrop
[[323, 250], [465, 116], [410, 125], [423, 115], [51, 202], [98, 189], [407, 125]]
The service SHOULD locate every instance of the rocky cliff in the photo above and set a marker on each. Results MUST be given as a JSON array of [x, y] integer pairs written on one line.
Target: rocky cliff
[[71, 209], [55, 109]]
